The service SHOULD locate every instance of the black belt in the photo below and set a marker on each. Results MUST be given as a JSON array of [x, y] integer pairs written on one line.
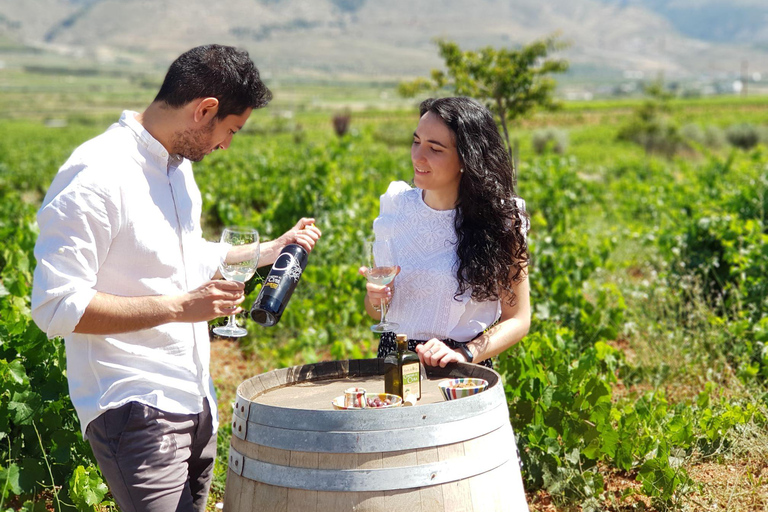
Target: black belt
[[388, 343]]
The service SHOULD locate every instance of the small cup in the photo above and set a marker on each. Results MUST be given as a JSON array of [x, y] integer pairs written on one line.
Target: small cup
[[355, 397]]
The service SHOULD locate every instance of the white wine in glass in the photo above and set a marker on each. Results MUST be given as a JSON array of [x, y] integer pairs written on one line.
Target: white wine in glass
[[240, 266], [382, 269]]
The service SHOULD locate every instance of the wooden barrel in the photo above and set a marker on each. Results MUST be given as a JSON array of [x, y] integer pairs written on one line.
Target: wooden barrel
[[291, 451]]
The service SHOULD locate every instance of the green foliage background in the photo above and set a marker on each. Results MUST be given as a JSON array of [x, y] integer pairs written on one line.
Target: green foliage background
[[666, 257]]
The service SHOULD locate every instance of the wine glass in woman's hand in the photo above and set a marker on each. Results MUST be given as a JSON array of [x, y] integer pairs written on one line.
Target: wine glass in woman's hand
[[382, 269], [240, 266]]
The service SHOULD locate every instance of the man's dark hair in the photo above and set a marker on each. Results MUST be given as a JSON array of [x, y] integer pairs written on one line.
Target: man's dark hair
[[215, 71]]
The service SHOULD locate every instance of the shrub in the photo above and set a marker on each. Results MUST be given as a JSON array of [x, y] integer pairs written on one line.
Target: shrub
[[744, 136], [694, 133], [658, 136], [709, 137], [714, 138], [650, 125], [549, 139]]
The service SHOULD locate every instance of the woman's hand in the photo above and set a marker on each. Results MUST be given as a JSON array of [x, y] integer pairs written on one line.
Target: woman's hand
[[436, 353], [375, 293]]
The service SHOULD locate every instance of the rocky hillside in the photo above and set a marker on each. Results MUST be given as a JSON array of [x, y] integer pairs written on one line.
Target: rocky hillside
[[394, 37]]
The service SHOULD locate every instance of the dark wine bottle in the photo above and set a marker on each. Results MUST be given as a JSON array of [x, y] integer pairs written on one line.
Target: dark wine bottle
[[279, 285], [402, 374]]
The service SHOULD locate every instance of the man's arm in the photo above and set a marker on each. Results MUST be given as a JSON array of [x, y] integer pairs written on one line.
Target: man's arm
[[77, 226], [114, 314]]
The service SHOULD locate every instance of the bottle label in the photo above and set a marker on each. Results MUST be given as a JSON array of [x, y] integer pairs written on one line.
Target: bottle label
[[272, 281], [411, 383], [279, 285], [289, 266]]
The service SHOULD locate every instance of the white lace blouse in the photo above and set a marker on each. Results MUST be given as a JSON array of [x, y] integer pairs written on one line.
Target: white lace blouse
[[424, 241]]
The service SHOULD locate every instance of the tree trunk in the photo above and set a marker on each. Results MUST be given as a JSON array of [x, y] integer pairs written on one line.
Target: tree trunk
[[503, 117]]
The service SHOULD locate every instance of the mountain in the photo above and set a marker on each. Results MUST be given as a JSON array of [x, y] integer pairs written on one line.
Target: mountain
[[737, 21], [682, 38]]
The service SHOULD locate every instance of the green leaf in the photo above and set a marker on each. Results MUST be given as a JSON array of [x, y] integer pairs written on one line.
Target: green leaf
[[32, 472], [610, 442], [17, 372], [624, 457], [62, 443], [86, 488], [23, 406], [9, 479], [34, 506], [574, 456], [597, 391]]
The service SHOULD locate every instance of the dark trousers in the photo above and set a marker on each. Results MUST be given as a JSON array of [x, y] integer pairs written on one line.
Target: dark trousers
[[155, 461]]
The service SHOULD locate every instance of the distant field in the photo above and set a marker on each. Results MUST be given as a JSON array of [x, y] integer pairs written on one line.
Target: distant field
[[38, 85], [35, 86]]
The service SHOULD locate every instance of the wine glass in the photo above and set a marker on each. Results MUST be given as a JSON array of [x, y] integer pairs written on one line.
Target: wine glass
[[240, 265], [382, 269]]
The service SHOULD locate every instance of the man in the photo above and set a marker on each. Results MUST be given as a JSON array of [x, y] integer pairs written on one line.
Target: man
[[125, 276]]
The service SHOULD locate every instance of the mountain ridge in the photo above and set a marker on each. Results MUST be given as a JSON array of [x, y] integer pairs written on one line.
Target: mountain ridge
[[393, 38]]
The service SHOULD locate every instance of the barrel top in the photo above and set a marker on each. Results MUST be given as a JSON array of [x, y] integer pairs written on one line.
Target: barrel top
[[314, 386], [299, 399]]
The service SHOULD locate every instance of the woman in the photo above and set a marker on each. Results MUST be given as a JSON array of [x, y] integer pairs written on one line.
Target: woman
[[462, 291]]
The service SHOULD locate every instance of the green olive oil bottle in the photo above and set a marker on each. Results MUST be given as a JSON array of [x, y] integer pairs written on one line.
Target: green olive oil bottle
[[403, 371]]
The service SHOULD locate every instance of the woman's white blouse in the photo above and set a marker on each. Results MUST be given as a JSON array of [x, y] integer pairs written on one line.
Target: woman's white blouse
[[424, 240]]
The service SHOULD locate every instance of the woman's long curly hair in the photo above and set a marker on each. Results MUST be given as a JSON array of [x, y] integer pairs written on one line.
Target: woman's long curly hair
[[491, 245]]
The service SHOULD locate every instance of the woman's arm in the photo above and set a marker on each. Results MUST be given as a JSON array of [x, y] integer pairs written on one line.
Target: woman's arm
[[512, 326]]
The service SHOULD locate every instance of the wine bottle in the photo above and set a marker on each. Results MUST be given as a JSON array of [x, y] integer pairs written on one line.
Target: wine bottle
[[402, 376], [279, 285]]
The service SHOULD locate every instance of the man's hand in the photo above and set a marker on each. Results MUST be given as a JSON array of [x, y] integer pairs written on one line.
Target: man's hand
[[304, 233], [213, 299]]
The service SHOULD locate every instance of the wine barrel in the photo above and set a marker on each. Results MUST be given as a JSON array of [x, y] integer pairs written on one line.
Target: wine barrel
[[291, 451]]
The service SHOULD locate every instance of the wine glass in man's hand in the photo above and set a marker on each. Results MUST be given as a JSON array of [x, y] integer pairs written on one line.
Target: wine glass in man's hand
[[240, 265]]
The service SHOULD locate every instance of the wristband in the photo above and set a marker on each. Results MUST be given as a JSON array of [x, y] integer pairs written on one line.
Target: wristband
[[466, 352]]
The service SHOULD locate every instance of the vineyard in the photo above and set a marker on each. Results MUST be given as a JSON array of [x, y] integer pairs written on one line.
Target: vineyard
[[643, 375]]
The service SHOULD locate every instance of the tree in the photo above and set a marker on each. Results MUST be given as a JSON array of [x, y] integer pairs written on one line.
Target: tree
[[651, 124], [511, 82]]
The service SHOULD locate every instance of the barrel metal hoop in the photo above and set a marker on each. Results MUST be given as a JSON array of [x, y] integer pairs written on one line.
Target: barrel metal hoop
[[239, 427], [242, 407], [236, 461], [385, 479], [381, 440], [374, 420]]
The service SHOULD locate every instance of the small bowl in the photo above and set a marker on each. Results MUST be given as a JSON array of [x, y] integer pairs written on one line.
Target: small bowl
[[338, 402], [460, 388], [396, 400]]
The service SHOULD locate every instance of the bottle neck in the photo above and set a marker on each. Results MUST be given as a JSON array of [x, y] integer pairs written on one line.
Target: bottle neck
[[402, 346]]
